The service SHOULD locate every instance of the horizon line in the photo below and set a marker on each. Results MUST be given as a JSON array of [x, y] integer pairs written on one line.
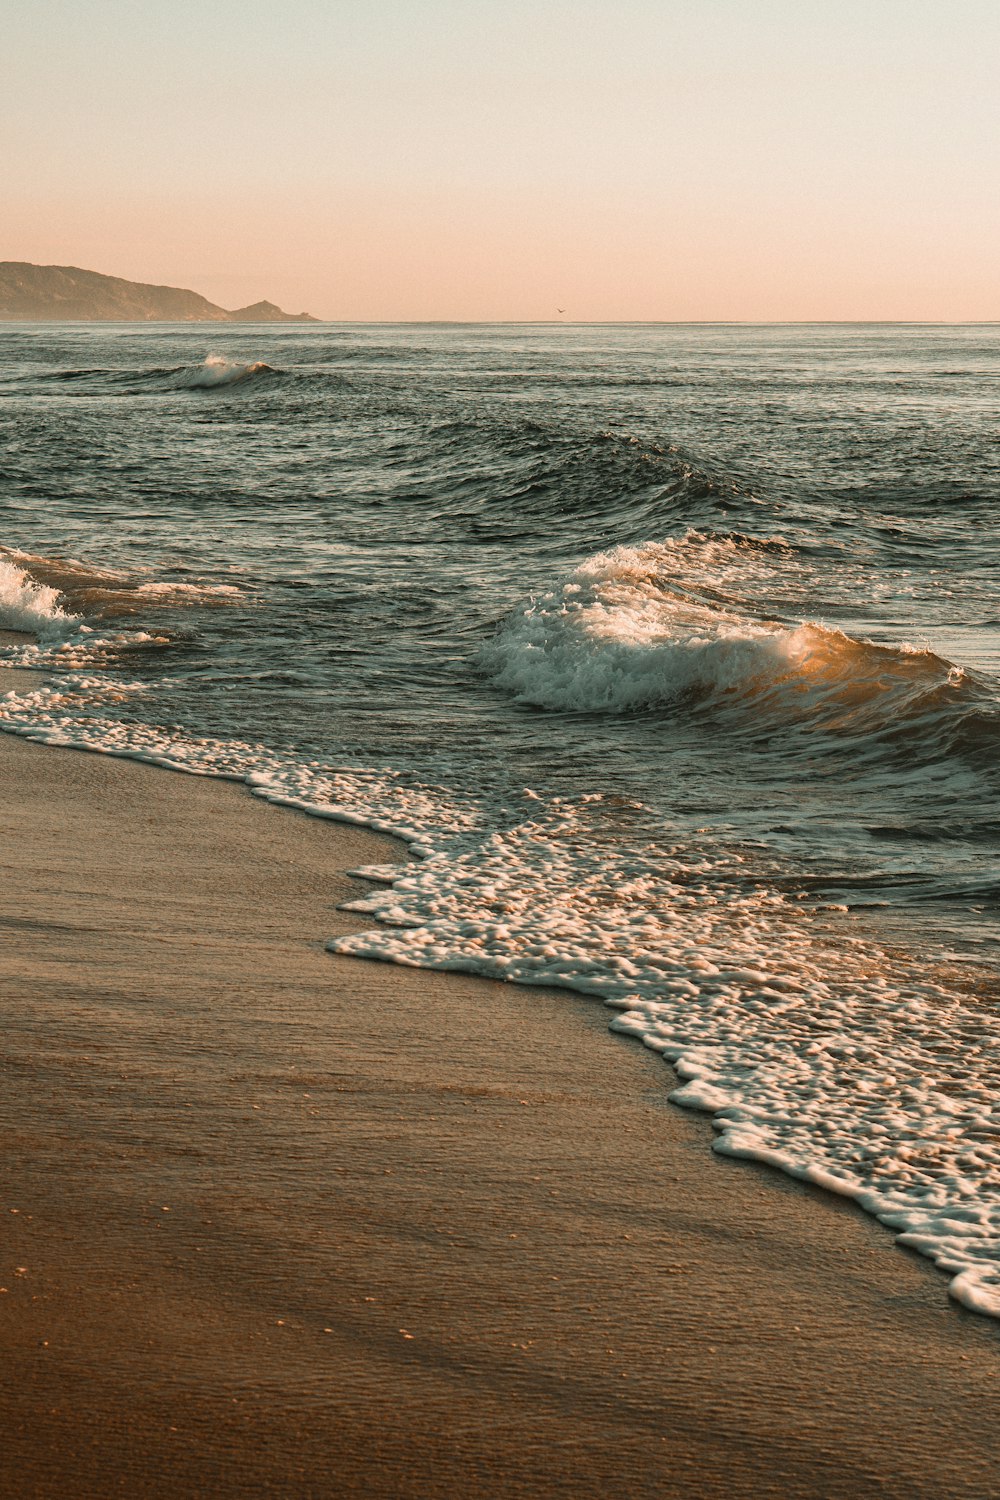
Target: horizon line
[[516, 322]]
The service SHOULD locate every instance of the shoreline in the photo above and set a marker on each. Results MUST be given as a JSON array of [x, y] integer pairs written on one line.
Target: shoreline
[[364, 1229]]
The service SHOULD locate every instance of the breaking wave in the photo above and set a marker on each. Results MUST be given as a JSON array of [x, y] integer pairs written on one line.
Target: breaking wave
[[103, 593], [624, 633], [28, 605], [63, 603], [214, 373], [217, 371]]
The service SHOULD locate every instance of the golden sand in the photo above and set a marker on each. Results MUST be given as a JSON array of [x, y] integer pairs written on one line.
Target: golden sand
[[279, 1224]]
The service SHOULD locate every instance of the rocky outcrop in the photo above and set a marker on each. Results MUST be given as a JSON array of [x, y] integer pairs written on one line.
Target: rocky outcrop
[[47, 294], [266, 312]]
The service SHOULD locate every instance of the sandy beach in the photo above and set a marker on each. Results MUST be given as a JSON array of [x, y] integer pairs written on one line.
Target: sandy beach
[[282, 1224]]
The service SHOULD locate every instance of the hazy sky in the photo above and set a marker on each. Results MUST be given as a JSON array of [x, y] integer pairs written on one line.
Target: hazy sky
[[661, 159]]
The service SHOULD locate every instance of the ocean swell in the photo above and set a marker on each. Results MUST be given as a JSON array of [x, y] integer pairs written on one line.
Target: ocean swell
[[632, 630], [215, 372]]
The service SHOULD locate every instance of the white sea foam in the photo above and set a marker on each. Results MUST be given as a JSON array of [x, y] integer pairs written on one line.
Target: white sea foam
[[65, 605], [30, 606], [815, 1051], [198, 593], [217, 371], [628, 630]]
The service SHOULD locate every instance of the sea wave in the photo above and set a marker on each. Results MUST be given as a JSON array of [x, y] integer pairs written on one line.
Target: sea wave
[[213, 373], [630, 630], [65, 605], [78, 589], [30, 605], [217, 371]]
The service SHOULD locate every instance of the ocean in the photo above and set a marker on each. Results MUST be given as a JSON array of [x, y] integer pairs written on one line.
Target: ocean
[[673, 651]]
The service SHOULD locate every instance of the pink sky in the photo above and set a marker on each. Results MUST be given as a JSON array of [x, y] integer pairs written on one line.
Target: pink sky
[[467, 159]]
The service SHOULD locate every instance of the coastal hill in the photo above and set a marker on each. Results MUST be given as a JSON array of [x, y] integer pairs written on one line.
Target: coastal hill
[[34, 294]]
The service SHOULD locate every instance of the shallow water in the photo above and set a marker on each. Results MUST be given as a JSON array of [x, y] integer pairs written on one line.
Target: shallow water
[[676, 650]]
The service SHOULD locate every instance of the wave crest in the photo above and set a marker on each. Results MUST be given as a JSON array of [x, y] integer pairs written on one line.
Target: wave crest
[[622, 634], [29, 605], [75, 589], [214, 372]]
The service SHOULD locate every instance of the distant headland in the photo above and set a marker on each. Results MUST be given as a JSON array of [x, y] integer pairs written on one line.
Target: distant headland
[[66, 294]]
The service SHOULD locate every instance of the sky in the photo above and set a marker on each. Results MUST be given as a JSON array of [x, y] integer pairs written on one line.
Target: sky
[[496, 159]]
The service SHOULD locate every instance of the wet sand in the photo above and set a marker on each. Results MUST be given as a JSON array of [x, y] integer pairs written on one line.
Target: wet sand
[[279, 1224]]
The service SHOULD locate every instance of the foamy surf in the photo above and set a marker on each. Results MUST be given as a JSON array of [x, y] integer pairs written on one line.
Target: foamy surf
[[628, 630], [86, 589], [30, 606], [66, 605], [813, 1050]]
